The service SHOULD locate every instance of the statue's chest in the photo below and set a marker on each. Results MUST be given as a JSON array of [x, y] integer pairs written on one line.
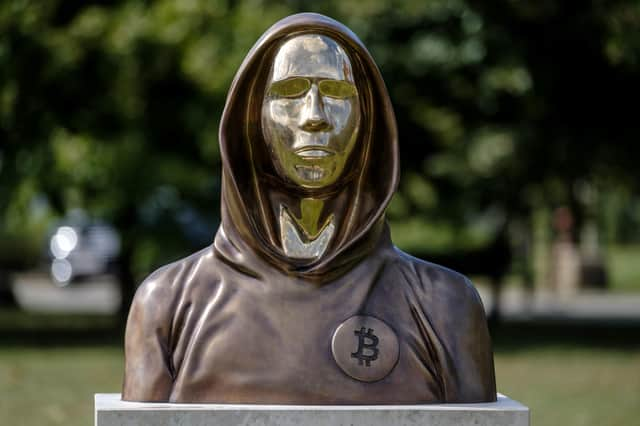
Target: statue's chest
[[285, 350]]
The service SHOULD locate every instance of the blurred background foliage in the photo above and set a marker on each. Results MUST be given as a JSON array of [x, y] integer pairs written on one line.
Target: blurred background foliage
[[506, 110]]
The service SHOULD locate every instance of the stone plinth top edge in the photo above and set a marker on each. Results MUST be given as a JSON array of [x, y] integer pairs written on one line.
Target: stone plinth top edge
[[112, 401]]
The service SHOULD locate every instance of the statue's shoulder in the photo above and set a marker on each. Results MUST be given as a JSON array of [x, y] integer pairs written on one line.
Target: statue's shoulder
[[443, 288], [450, 306], [155, 307], [167, 281]]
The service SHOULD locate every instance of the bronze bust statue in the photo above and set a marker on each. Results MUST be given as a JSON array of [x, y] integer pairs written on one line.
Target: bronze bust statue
[[302, 298]]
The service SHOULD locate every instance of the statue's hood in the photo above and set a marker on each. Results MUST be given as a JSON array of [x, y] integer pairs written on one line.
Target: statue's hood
[[248, 236]]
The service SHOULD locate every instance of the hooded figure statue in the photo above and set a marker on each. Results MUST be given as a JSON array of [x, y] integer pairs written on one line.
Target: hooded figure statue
[[302, 298]]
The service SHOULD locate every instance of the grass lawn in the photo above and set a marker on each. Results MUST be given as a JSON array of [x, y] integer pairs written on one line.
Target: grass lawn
[[562, 384], [55, 386], [569, 386]]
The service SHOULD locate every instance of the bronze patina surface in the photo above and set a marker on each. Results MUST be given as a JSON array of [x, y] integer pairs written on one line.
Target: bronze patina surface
[[302, 298]]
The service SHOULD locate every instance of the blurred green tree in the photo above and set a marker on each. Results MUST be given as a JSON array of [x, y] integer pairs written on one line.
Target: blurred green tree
[[113, 107]]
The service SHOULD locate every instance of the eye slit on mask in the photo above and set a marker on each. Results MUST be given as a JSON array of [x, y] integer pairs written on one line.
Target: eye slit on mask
[[290, 88], [298, 86], [337, 89]]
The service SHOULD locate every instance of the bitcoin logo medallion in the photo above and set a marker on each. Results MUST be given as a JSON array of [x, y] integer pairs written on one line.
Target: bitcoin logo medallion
[[365, 348]]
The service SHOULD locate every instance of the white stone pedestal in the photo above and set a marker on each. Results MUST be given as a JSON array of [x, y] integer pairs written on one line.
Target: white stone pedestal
[[111, 411]]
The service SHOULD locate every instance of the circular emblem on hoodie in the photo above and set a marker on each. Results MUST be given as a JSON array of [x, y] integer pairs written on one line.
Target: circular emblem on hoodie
[[365, 348]]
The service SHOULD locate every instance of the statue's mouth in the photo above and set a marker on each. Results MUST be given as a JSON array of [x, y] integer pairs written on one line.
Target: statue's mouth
[[315, 163], [314, 152]]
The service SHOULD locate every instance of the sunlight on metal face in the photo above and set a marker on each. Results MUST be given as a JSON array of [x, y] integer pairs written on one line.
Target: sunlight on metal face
[[311, 111]]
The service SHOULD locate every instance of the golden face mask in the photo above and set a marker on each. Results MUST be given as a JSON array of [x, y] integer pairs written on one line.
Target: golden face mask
[[311, 111]]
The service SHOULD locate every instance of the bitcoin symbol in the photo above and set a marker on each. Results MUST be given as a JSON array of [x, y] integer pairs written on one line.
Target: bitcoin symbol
[[381, 347], [363, 346]]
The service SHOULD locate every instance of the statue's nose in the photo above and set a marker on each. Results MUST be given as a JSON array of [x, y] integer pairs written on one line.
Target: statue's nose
[[313, 117]]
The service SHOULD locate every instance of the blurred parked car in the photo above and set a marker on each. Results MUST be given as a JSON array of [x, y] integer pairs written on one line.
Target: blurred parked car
[[81, 249]]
